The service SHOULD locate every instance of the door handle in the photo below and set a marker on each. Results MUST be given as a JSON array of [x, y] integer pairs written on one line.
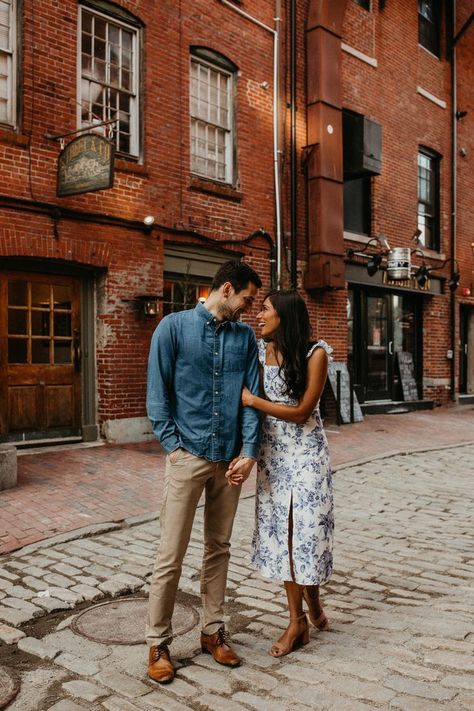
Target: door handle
[[390, 344], [77, 352]]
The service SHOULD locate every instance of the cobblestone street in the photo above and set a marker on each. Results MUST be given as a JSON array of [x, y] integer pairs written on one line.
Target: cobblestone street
[[400, 603]]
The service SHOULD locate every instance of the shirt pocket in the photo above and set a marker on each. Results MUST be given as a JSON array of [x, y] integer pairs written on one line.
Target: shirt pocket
[[235, 359]]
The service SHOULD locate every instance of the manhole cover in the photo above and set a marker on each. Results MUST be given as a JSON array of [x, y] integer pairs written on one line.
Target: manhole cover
[[9, 686], [123, 621]]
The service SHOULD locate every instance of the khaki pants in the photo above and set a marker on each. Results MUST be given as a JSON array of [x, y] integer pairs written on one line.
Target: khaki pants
[[185, 479]]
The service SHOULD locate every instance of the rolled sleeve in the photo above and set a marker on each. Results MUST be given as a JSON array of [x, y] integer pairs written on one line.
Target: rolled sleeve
[[251, 420]]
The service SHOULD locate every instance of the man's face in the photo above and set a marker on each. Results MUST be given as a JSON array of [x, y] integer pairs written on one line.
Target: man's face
[[234, 305]]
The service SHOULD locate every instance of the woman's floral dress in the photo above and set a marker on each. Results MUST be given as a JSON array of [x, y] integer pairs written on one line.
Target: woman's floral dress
[[293, 466]]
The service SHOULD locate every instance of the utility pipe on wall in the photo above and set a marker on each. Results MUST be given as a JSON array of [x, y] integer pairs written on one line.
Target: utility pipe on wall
[[276, 103]]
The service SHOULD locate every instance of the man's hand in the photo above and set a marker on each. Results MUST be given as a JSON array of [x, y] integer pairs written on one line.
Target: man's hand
[[239, 470]]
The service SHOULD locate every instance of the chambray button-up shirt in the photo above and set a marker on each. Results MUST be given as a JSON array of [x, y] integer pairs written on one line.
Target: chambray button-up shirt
[[196, 370]]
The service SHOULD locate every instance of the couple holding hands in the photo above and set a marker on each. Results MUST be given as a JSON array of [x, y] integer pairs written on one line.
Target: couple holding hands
[[219, 401]]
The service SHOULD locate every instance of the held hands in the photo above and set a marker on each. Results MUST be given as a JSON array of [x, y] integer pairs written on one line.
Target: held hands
[[239, 470]]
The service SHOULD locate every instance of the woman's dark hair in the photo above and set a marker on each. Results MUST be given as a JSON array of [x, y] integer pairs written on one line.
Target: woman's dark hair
[[292, 339]]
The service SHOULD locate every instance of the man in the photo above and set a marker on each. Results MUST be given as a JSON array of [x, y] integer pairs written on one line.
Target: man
[[199, 361]]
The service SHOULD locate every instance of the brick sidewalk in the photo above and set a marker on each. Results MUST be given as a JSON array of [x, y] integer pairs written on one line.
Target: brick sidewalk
[[67, 489]]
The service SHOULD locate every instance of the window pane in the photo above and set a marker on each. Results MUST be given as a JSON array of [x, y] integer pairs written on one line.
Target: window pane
[[40, 294], [39, 350], [40, 323], [357, 208], [62, 352], [18, 321], [17, 293], [61, 296], [62, 324], [17, 350]]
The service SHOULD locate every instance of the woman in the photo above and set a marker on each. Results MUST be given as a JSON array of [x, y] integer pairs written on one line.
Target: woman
[[294, 505]]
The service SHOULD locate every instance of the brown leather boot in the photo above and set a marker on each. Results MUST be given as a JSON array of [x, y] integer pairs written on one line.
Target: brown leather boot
[[218, 645], [160, 668]]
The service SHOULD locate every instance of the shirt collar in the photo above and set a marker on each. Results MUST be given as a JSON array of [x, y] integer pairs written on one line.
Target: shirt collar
[[202, 313]]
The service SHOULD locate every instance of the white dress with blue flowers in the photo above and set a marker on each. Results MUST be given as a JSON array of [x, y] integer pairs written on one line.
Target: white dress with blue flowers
[[293, 468]]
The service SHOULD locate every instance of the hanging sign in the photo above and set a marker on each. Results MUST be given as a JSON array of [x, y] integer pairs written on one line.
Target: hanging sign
[[86, 164]]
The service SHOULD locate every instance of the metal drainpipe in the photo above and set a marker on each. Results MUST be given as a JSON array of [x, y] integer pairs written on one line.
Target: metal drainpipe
[[276, 103], [293, 167], [454, 149]]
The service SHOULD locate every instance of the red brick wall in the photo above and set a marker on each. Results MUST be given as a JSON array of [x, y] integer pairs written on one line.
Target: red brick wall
[[162, 184]]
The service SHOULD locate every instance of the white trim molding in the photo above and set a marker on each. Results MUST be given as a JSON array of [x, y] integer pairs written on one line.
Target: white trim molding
[[360, 55], [431, 97]]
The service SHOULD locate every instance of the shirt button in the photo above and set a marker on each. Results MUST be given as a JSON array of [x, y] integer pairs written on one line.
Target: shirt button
[[213, 434], [217, 372], [217, 392], [216, 353]]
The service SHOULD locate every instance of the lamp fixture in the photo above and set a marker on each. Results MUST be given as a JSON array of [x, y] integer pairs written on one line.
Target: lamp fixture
[[149, 305], [148, 222], [422, 275], [373, 265], [453, 283]]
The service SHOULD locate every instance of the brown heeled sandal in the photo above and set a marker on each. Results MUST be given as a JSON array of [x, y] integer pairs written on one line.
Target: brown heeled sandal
[[278, 650], [320, 622]]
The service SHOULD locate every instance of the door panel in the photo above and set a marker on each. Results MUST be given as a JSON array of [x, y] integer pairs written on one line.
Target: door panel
[[39, 381], [377, 354]]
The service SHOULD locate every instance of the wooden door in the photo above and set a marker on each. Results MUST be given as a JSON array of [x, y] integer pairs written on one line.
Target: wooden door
[[39, 356]]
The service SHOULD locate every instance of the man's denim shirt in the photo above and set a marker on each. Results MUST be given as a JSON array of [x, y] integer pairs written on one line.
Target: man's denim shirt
[[196, 370]]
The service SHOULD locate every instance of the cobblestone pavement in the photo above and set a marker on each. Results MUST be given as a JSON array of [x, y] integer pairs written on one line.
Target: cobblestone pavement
[[65, 489], [400, 601]]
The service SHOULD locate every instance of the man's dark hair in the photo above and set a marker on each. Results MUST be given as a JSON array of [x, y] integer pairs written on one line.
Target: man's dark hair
[[238, 274]]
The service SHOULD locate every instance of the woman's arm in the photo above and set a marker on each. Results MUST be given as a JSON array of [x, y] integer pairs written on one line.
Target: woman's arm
[[317, 372]]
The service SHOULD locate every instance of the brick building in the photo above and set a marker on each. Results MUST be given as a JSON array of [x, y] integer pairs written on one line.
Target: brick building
[[205, 123]]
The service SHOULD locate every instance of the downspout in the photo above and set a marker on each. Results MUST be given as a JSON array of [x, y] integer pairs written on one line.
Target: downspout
[[276, 133], [454, 152], [293, 166]]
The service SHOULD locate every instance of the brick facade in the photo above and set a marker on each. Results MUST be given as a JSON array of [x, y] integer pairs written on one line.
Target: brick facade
[[125, 261]]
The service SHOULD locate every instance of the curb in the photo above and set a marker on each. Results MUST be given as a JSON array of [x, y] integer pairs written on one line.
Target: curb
[[106, 527]]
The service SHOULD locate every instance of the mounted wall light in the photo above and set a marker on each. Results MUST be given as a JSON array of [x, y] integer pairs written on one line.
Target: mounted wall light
[[149, 305], [422, 275], [373, 265], [453, 283], [148, 223]]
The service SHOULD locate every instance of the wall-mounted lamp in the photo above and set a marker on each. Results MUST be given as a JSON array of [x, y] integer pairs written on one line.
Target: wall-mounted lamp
[[460, 115], [375, 260], [149, 305], [373, 265], [422, 275], [148, 223]]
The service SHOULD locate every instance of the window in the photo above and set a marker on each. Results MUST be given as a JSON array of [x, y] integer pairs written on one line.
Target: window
[[357, 210], [429, 25], [211, 110], [8, 62], [428, 198], [109, 77], [363, 3], [184, 293]]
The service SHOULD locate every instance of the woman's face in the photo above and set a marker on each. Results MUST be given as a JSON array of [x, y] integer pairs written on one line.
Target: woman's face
[[268, 320]]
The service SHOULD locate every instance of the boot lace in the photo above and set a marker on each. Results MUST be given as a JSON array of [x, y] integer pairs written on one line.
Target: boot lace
[[223, 637], [158, 651]]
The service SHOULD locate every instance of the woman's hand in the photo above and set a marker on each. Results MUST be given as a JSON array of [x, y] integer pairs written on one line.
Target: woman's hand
[[246, 397]]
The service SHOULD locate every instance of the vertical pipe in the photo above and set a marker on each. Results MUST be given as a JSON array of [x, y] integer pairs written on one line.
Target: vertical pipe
[[454, 150], [276, 136], [293, 167]]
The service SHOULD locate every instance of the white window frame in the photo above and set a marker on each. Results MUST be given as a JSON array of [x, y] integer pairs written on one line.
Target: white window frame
[[135, 67], [11, 53], [229, 132]]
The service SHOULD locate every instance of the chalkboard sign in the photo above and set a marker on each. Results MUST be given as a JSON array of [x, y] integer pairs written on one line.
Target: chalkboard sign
[[345, 401], [407, 375]]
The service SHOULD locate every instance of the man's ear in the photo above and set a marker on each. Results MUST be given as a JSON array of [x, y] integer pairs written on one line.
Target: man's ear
[[227, 289]]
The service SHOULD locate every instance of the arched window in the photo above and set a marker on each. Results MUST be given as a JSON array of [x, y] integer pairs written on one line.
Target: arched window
[[212, 91], [109, 72]]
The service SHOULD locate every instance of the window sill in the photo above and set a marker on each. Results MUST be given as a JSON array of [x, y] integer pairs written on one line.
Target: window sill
[[356, 237], [431, 254], [9, 135], [125, 166], [432, 54], [211, 187]]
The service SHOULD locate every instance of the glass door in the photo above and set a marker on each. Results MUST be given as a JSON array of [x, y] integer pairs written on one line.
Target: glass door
[[380, 324], [378, 348]]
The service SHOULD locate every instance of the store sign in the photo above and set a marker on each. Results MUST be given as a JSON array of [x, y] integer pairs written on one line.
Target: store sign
[[410, 283], [86, 164]]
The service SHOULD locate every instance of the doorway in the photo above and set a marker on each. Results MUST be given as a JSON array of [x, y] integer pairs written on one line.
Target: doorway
[[40, 356], [466, 351], [380, 324]]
